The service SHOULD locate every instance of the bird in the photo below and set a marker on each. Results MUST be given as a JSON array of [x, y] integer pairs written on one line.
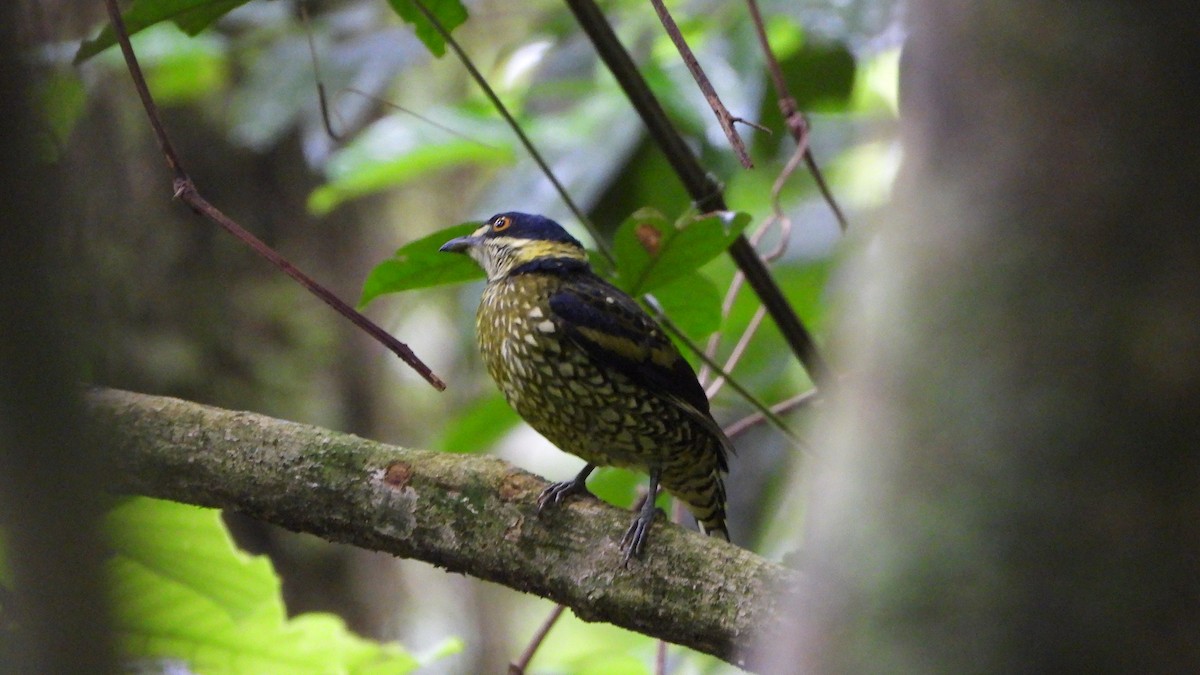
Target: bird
[[592, 372]]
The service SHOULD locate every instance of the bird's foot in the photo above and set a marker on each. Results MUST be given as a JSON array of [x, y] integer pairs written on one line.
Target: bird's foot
[[558, 492], [636, 536]]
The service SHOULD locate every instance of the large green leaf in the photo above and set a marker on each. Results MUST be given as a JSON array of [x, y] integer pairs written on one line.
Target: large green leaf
[[192, 16], [378, 174], [449, 13], [651, 251], [419, 264], [693, 302], [182, 591]]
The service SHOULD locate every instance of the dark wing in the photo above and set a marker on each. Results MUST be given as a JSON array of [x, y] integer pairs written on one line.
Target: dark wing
[[615, 332]]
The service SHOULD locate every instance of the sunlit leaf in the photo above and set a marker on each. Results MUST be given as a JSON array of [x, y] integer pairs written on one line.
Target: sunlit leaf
[[477, 427], [192, 16], [616, 486], [652, 251], [583, 647], [449, 13], [182, 591], [419, 264]]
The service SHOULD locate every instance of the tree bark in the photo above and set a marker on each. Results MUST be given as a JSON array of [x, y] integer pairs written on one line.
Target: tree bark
[[470, 514], [1013, 474]]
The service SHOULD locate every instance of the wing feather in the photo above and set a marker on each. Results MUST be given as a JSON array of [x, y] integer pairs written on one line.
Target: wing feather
[[613, 330]]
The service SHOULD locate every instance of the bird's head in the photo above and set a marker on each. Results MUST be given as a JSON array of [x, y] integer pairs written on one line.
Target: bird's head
[[510, 241]]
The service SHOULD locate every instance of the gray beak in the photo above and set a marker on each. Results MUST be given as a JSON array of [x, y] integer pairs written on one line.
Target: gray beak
[[459, 245]]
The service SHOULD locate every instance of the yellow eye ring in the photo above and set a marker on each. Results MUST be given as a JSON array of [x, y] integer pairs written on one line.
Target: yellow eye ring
[[501, 224]]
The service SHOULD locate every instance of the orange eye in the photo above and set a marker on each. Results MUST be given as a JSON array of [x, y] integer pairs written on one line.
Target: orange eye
[[501, 224]]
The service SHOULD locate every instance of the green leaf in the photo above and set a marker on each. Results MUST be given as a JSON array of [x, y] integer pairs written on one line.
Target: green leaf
[[477, 427], [192, 16], [61, 98], [449, 13], [370, 174], [419, 264], [616, 486], [181, 69], [181, 590], [651, 252], [693, 302]]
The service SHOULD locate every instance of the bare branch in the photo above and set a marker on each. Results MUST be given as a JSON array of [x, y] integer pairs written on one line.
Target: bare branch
[[518, 667], [469, 514], [796, 123], [724, 118], [185, 190]]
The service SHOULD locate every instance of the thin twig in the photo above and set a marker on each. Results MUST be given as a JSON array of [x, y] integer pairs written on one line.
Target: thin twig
[[738, 350], [312, 51], [412, 113], [601, 244], [143, 90], [518, 667], [716, 367], [796, 123], [660, 658], [185, 191], [785, 228], [797, 401], [724, 118]]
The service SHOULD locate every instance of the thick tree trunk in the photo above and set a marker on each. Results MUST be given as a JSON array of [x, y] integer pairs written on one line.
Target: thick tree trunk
[[53, 614], [1012, 480]]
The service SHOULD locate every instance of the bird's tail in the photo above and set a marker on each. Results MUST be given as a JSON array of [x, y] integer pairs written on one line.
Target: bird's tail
[[705, 498]]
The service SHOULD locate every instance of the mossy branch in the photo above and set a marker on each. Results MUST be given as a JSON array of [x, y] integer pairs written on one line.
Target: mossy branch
[[469, 514]]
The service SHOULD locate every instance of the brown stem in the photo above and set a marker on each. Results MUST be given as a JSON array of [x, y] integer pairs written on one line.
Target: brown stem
[[754, 419], [724, 118], [518, 667], [186, 192], [796, 123]]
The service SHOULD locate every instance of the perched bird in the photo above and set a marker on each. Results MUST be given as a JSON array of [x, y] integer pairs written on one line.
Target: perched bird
[[587, 368]]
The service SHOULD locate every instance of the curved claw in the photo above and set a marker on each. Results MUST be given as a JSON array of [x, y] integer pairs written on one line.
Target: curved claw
[[558, 492], [635, 537], [639, 530]]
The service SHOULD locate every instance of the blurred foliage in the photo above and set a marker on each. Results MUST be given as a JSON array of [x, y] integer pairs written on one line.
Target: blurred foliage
[[419, 148], [374, 162], [182, 591], [193, 16]]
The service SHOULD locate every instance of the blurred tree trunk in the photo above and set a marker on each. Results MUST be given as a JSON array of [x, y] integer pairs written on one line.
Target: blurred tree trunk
[[1010, 478], [53, 613]]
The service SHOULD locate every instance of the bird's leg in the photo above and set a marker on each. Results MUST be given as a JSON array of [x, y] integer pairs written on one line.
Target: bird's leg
[[557, 492], [635, 537]]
